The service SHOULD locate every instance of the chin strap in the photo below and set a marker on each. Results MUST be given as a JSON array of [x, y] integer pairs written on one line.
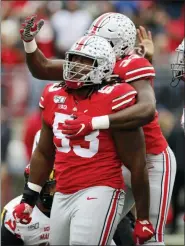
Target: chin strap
[[175, 83]]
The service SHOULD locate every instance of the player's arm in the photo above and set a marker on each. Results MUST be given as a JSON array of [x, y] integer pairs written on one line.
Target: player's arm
[[41, 166], [43, 156], [7, 237], [140, 113], [38, 64], [131, 117], [43, 68], [130, 146]]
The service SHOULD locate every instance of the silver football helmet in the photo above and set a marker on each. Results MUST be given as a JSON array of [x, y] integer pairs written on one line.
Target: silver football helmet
[[118, 29], [178, 71], [102, 59]]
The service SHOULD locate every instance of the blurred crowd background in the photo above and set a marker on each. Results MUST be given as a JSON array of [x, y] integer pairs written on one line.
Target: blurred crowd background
[[65, 21]]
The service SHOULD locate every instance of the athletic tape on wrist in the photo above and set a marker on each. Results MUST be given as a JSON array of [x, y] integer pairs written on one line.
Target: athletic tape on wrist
[[100, 122], [30, 47], [34, 187]]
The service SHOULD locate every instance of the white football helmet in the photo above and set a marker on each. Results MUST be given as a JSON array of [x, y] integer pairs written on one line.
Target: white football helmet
[[118, 29], [178, 71], [78, 74]]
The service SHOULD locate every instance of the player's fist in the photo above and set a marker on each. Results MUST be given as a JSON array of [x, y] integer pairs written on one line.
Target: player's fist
[[78, 127], [22, 213], [143, 231], [30, 28]]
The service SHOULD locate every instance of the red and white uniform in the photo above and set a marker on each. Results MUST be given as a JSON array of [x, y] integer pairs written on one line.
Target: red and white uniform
[[160, 158], [133, 68], [38, 230], [34, 233], [88, 171]]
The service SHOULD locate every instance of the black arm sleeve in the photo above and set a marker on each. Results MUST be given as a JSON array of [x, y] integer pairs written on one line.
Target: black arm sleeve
[[7, 238]]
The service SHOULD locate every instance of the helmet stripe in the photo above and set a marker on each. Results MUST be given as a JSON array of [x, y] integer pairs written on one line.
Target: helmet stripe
[[82, 42], [98, 22]]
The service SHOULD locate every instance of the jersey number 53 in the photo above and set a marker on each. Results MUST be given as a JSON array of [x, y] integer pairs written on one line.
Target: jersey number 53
[[65, 144]]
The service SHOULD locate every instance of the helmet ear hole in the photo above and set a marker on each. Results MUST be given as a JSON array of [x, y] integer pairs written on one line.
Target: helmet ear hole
[[96, 63]]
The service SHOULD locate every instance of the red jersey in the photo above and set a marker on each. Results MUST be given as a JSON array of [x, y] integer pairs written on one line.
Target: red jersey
[[133, 68], [91, 160]]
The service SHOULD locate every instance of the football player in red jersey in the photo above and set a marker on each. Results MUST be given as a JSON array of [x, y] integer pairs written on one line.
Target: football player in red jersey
[[89, 194], [120, 31], [178, 72], [132, 68], [48, 69]]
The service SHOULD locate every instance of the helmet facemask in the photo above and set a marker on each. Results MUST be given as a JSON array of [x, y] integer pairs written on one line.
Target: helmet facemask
[[178, 70], [77, 74]]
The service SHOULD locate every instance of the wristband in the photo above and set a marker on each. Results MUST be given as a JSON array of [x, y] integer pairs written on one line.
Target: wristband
[[100, 122], [34, 187], [30, 47], [30, 196]]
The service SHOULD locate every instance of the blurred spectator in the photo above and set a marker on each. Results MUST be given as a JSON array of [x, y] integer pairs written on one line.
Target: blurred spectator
[[173, 8], [45, 38], [5, 139], [128, 8], [101, 7], [12, 9], [30, 127], [69, 24], [175, 31], [166, 121], [10, 55]]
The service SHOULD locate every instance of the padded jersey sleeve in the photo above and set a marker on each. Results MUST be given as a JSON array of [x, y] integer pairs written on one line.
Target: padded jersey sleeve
[[43, 98], [123, 96], [46, 101], [133, 68]]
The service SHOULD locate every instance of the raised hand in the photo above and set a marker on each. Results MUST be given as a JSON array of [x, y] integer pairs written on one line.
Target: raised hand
[[30, 28], [145, 41]]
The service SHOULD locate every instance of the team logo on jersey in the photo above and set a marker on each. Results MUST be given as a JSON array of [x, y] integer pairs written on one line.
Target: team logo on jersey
[[59, 99], [62, 106], [33, 227]]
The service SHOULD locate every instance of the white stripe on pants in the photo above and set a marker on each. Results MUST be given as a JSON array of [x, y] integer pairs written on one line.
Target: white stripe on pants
[[87, 217], [162, 170]]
